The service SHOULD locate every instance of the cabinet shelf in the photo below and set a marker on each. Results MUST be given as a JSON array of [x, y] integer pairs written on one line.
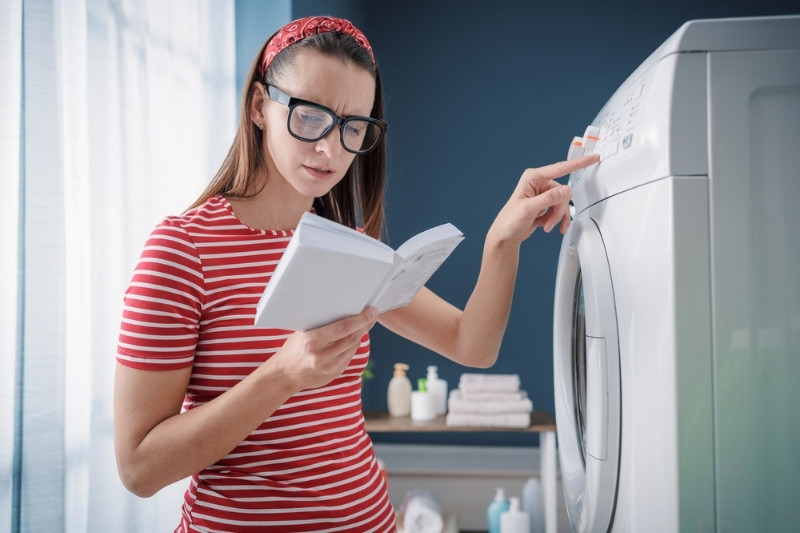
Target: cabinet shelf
[[382, 422], [541, 422]]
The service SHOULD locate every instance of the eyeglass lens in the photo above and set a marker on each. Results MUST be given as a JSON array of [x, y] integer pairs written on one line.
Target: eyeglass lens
[[311, 123]]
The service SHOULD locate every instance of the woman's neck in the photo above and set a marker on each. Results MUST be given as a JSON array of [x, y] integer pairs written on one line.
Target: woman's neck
[[271, 210]]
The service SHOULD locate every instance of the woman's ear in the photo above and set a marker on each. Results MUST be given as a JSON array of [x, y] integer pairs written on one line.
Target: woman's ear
[[257, 100]]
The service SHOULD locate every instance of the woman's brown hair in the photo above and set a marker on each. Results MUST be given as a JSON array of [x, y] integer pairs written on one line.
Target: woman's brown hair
[[358, 198]]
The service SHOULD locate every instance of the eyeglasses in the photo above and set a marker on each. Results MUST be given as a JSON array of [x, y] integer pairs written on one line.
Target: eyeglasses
[[311, 122]]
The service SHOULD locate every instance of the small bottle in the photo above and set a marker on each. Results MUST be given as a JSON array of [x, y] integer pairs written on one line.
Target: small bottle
[[398, 397], [533, 505], [422, 402], [515, 520], [498, 506], [438, 387]]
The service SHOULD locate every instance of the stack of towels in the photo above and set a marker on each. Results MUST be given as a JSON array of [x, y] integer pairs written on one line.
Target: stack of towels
[[489, 400]]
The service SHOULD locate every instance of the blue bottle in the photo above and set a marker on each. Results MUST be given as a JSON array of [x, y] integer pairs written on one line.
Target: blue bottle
[[499, 505]]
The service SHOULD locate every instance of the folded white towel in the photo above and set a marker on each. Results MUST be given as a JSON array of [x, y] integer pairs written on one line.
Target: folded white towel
[[508, 420], [459, 404], [489, 382], [489, 396]]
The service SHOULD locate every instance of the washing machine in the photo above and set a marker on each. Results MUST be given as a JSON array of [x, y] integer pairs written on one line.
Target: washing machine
[[677, 302]]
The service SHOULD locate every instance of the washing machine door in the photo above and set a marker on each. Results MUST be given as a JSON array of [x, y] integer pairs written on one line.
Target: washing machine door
[[587, 378]]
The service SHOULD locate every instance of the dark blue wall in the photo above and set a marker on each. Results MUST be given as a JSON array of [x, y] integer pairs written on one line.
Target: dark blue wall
[[476, 91]]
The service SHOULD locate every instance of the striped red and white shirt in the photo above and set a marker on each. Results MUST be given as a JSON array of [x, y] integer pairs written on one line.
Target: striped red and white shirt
[[310, 466]]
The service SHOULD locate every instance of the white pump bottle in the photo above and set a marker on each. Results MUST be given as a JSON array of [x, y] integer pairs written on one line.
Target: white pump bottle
[[438, 388], [398, 397]]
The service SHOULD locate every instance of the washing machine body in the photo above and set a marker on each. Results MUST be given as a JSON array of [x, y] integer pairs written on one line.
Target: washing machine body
[[677, 308]]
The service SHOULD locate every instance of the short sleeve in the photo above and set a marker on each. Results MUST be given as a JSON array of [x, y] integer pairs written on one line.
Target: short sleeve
[[163, 303]]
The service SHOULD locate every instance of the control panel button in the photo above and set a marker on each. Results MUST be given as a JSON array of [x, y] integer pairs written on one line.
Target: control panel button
[[584, 145], [575, 148], [590, 138]]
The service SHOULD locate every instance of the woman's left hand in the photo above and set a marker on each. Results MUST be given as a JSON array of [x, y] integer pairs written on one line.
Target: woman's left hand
[[538, 201]]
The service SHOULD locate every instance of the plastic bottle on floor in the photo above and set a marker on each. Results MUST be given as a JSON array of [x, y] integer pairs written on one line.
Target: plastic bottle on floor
[[515, 520], [533, 505], [498, 506]]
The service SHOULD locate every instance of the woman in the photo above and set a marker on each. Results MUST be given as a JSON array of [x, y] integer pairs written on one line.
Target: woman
[[268, 423]]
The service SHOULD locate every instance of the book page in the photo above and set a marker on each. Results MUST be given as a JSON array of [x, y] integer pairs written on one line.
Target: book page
[[319, 286], [322, 233], [329, 272], [412, 272]]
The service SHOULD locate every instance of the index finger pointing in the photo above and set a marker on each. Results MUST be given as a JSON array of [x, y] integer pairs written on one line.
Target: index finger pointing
[[562, 168]]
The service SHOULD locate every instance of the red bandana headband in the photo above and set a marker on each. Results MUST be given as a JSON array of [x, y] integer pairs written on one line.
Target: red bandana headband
[[306, 27]]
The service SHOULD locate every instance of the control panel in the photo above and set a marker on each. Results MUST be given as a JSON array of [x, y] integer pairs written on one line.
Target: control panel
[[614, 129]]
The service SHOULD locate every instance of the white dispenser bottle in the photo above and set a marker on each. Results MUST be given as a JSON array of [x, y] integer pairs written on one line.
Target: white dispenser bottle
[[533, 505], [438, 388], [398, 397], [422, 402], [515, 520]]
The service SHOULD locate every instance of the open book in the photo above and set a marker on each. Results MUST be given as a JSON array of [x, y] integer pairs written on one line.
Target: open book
[[330, 271]]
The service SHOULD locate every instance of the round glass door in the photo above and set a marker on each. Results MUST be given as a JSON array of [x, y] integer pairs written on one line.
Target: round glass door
[[579, 365], [587, 378]]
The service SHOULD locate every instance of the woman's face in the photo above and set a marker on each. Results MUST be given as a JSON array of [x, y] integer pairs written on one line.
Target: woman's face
[[313, 168]]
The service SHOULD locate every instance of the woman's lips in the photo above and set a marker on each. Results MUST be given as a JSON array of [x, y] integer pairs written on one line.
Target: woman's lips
[[319, 172]]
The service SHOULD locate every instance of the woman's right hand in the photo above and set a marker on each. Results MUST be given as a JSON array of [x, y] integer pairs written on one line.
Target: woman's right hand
[[315, 357]]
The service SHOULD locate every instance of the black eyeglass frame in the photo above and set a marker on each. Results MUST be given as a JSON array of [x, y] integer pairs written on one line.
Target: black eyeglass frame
[[291, 102]]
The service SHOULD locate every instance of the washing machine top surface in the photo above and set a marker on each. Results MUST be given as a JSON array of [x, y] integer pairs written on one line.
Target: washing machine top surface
[[728, 34], [655, 125]]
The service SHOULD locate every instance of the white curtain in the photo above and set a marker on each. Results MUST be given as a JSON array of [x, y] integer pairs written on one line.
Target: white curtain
[[113, 113]]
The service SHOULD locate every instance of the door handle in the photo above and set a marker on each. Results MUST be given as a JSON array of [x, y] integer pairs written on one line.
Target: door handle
[[596, 398]]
